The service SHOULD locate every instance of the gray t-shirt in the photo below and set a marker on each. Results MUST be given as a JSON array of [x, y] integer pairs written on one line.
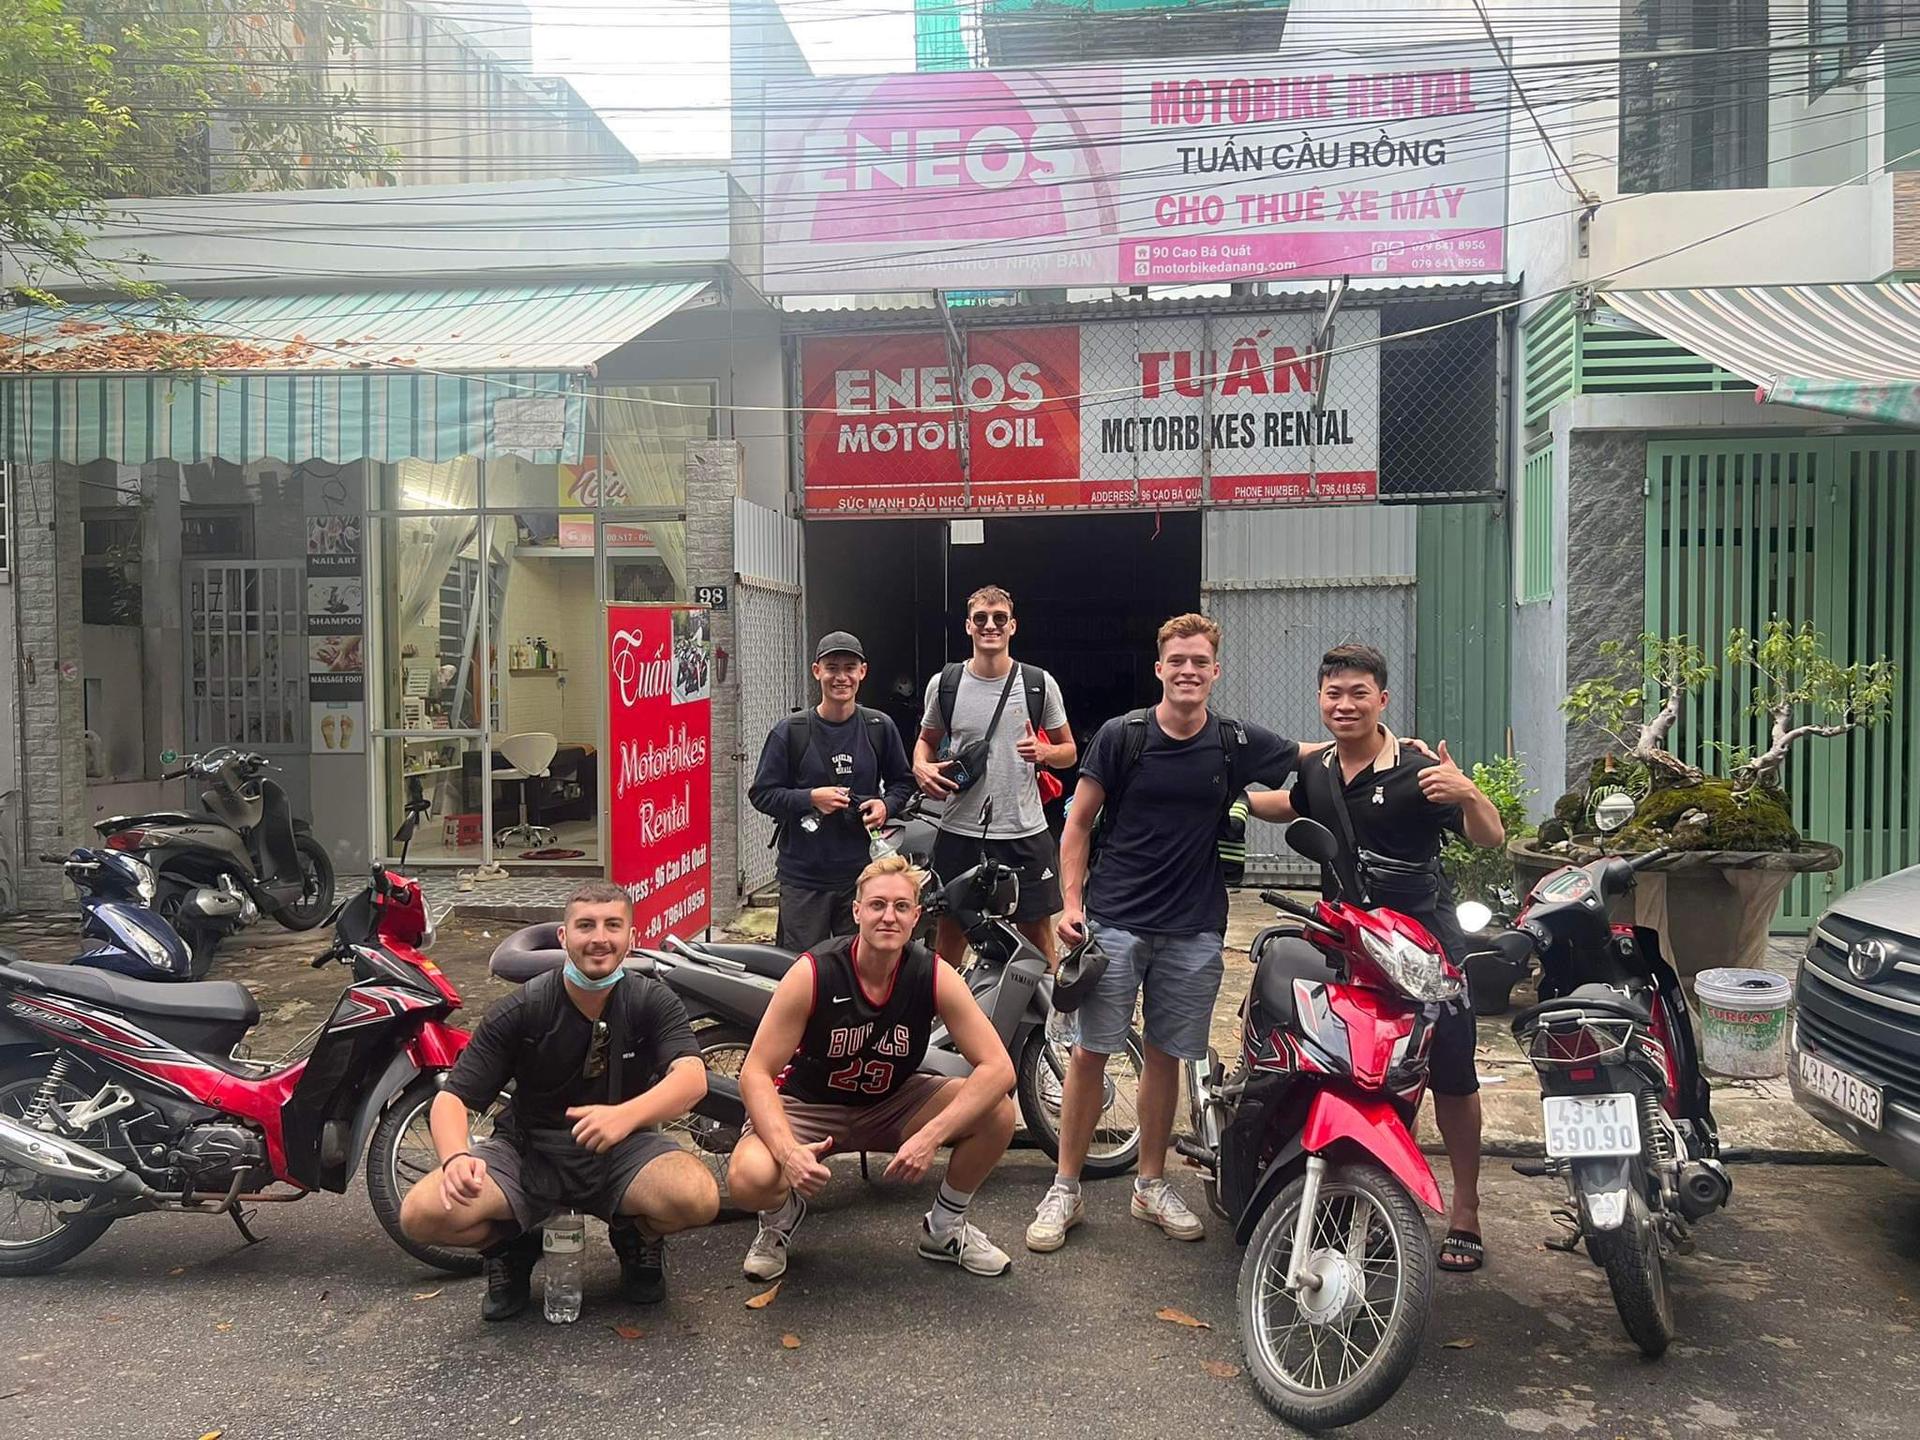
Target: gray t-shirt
[[1009, 782]]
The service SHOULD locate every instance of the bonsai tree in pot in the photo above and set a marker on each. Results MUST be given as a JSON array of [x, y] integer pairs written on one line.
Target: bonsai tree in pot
[[1736, 847]]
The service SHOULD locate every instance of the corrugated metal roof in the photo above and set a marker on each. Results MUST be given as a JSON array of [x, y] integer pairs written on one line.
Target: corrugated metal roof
[[552, 327], [1127, 306]]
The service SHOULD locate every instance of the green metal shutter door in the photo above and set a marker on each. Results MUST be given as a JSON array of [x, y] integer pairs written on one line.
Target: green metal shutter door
[[1808, 530], [1463, 608]]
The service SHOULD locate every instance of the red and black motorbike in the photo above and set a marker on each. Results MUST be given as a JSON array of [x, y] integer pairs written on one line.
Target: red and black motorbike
[[122, 1096], [1310, 1149]]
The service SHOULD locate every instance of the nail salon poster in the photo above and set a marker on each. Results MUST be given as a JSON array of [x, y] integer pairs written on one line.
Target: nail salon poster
[[660, 791], [336, 616]]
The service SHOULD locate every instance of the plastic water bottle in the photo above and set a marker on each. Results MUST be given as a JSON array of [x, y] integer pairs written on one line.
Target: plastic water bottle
[[563, 1244], [879, 847]]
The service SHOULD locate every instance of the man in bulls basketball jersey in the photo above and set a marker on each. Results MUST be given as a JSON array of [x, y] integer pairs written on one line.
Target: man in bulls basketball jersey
[[836, 1066]]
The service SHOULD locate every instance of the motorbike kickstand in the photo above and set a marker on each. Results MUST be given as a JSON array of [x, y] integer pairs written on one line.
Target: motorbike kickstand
[[863, 1166], [1568, 1221], [240, 1218]]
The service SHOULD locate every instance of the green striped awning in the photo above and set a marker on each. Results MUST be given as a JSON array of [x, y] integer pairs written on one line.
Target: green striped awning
[[339, 377], [1849, 350]]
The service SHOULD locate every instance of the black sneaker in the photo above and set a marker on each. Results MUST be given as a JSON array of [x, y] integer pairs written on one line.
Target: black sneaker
[[643, 1264], [508, 1268]]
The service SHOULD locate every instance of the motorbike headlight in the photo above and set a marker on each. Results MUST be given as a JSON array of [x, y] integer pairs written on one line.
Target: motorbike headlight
[[150, 948], [1417, 973]]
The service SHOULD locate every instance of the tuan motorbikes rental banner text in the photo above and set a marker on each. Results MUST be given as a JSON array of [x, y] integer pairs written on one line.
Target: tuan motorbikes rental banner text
[[1098, 416], [660, 817], [1180, 170]]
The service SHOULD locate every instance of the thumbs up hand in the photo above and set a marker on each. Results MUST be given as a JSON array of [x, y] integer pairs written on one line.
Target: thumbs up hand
[[1031, 747]]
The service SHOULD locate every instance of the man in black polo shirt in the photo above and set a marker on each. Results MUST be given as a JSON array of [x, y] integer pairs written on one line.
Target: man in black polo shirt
[[598, 1058], [1382, 796], [828, 775]]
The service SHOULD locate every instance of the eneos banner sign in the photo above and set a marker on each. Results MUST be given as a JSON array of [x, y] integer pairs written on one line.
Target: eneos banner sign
[[660, 791], [1178, 171], [1099, 416]]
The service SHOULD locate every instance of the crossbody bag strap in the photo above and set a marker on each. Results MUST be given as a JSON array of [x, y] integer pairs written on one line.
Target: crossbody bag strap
[[1006, 690]]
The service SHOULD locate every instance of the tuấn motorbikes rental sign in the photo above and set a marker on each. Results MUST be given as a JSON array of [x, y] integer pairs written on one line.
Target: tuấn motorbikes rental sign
[[660, 790], [1181, 170], [1106, 415]]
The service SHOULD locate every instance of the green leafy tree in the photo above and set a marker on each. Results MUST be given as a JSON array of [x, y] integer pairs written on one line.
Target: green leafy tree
[[1804, 692], [1654, 668], [1480, 874], [101, 100]]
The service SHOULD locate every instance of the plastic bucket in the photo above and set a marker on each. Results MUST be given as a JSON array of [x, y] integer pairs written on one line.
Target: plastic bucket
[[1743, 1022]]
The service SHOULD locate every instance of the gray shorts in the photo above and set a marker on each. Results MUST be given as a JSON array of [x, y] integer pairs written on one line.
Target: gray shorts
[[1178, 977], [538, 1184]]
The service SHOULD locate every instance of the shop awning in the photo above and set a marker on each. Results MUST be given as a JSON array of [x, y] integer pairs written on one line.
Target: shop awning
[[341, 376], [1848, 349]]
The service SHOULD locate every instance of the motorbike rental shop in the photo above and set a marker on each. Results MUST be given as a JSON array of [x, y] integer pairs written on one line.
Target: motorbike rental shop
[[1114, 463]]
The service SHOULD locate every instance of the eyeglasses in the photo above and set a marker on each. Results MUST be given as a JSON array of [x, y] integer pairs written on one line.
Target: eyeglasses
[[877, 908], [596, 1062], [990, 619]]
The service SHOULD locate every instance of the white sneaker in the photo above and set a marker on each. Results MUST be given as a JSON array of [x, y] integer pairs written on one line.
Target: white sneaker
[[1060, 1210], [967, 1248], [767, 1256], [1158, 1203]]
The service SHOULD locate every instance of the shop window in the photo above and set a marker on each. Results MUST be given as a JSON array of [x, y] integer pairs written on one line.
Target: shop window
[[216, 532], [640, 436], [1841, 34], [1695, 116]]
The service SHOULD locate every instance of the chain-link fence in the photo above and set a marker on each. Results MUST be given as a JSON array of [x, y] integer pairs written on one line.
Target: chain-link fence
[[767, 623], [1117, 406], [1282, 629]]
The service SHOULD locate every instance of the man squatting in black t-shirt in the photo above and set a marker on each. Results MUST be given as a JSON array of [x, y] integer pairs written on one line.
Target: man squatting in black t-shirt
[[1402, 801], [599, 1057], [835, 1065]]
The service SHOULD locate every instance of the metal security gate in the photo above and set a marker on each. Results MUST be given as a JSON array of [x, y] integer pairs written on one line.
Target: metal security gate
[[770, 645], [1809, 530], [1286, 586], [246, 654]]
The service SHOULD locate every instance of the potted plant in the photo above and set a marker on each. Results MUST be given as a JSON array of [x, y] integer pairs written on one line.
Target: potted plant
[[1734, 848]]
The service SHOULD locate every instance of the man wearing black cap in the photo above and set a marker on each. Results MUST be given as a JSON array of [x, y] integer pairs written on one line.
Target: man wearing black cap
[[827, 775]]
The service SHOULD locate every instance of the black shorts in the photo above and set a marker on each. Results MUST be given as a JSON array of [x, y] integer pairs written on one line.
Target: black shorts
[[537, 1185], [1450, 1061], [810, 917], [1035, 857]]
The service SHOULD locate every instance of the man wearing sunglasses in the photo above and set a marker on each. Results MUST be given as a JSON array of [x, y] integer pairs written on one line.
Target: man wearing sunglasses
[[988, 728], [836, 1066], [599, 1058]]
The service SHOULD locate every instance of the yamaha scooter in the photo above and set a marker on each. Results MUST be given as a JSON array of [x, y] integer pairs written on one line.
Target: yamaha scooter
[[247, 842]]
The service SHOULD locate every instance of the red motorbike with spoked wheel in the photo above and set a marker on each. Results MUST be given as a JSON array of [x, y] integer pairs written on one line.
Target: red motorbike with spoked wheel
[[1309, 1147], [120, 1097]]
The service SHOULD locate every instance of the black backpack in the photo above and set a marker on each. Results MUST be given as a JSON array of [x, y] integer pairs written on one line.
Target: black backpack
[[1133, 744], [1032, 679]]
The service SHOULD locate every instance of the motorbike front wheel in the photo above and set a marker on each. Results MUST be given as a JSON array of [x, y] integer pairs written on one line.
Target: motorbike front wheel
[[316, 886], [1637, 1275], [399, 1156], [1040, 1083], [1338, 1349]]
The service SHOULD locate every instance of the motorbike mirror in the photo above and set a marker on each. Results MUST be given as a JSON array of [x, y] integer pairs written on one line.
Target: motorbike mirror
[[1614, 810], [1312, 840], [1473, 916]]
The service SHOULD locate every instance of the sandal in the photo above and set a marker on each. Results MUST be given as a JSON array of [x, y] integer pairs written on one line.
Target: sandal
[[1462, 1252]]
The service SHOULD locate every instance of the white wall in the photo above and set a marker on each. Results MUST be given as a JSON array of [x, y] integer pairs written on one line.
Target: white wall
[[740, 348]]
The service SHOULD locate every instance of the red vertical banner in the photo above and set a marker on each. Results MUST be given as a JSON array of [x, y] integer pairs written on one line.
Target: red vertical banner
[[660, 791]]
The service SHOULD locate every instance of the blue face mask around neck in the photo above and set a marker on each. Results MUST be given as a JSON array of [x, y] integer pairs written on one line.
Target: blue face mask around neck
[[576, 976]]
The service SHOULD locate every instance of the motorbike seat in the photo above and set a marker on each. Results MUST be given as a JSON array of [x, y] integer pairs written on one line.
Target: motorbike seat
[[769, 961], [1607, 1002], [221, 1003]]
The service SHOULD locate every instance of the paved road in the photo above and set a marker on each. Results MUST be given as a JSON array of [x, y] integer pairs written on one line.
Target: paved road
[[1797, 1315]]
